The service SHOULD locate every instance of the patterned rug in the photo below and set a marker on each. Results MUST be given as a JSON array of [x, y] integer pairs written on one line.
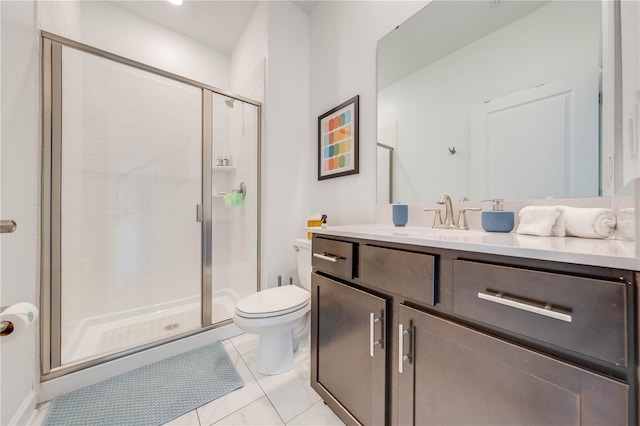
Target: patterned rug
[[150, 395]]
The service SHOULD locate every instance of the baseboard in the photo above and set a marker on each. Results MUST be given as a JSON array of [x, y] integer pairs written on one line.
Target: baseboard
[[27, 410]]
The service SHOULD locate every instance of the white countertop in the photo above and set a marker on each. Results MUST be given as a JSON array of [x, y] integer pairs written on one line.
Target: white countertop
[[584, 251]]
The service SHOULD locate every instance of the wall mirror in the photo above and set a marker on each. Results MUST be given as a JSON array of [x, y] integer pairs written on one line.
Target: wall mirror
[[497, 99]]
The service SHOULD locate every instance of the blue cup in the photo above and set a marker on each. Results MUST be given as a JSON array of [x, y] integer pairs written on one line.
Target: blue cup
[[400, 214]]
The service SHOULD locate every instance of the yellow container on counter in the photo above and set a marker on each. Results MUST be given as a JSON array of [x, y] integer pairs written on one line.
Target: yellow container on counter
[[313, 223]]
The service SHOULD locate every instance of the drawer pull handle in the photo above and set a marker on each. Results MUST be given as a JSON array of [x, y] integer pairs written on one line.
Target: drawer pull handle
[[372, 342], [401, 356], [546, 311], [327, 257]]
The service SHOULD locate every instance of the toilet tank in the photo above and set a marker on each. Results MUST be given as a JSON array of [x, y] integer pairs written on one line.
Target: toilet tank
[[303, 252]]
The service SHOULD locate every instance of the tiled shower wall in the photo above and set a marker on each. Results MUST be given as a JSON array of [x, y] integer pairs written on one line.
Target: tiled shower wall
[[130, 185]]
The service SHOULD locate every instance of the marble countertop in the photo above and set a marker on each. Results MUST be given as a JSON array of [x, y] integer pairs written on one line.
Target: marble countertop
[[606, 252]]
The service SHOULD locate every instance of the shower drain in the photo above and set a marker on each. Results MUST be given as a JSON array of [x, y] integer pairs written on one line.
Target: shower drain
[[171, 326]]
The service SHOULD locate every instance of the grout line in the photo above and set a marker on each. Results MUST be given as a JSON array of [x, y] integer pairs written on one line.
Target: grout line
[[254, 378], [236, 348], [307, 409], [275, 410], [198, 416], [261, 388]]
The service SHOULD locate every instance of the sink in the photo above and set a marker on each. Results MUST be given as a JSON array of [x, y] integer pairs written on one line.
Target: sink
[[423, 231]]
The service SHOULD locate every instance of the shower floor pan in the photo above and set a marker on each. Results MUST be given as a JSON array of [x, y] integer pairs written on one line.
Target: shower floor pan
[[106, 334]]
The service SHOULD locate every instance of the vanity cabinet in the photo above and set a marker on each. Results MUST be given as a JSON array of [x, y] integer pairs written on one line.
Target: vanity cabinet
[[430, 336]]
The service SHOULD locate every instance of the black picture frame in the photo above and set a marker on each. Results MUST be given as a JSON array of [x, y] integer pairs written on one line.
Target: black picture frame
[[338, 134]]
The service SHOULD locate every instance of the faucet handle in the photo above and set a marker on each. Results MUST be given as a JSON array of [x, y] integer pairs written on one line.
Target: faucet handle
[[437, 219], [462, 219]]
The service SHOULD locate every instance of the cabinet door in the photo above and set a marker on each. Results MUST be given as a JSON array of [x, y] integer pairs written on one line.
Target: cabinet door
[[456, 375], [346, 361]]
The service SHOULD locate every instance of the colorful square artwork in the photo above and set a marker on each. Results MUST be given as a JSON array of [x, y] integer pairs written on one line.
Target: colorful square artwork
[[338, 140]]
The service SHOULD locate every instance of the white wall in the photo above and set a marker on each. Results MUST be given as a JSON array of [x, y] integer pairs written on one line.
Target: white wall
[[20, 192], [249, 56], [285, 148], [112, 29], [19, 156], [343, 38]]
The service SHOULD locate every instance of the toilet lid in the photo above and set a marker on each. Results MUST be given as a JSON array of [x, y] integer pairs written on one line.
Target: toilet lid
[[273, 302]]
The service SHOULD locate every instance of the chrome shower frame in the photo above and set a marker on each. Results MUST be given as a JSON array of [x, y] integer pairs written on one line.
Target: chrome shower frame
[[51, 137]]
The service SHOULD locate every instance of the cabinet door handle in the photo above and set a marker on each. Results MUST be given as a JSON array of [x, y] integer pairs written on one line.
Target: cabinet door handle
[[401, 356], [546, 311], [327, 257], [372, 342]]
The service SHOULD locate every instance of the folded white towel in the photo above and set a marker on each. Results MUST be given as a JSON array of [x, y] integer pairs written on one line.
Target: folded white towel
[[626, 223], [538, 220], [589, 222], [559, 229]]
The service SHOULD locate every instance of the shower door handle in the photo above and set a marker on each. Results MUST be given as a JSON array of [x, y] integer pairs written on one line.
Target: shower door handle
[[7, 226], [199, 213]]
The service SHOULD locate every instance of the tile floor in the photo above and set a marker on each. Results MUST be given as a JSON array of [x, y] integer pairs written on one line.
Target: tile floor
[[285, 399]]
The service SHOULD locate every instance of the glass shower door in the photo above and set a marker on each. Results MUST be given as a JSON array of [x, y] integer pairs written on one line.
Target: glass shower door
[[130, 178], [235, 203]]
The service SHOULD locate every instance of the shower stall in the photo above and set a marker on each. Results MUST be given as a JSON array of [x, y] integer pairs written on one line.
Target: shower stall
[[150, 207]]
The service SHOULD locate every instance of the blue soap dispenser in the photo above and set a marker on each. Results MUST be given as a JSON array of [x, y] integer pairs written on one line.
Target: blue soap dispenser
[[497, 220]]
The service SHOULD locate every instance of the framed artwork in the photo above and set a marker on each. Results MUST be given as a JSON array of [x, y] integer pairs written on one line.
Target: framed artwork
[[338, 140]]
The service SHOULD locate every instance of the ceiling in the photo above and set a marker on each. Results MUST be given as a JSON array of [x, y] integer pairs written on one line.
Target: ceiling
[[217, 23]]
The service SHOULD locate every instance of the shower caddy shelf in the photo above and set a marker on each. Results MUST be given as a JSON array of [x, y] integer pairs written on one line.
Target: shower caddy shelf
[[242, 189]]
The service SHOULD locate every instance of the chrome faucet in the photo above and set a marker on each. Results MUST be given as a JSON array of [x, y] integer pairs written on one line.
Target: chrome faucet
[[448, 215]]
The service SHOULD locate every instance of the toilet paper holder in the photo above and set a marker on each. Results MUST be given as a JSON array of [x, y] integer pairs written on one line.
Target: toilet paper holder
[[6, 327], [17, 317]]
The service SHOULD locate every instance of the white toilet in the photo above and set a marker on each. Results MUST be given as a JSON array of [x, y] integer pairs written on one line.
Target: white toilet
[[280, 316]]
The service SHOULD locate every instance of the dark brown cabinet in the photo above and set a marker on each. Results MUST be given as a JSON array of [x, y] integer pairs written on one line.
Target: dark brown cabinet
[[407, 335], [454, 375], [348, 350]]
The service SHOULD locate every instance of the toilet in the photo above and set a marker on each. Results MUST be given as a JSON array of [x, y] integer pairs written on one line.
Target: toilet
[[280, 316]]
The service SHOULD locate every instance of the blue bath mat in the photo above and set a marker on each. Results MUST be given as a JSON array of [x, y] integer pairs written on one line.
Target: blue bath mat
[[150, 395]]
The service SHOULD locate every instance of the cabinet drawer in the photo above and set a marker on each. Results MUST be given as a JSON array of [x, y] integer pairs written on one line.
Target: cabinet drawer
[[406, 273], [334, 257], [584, 315]]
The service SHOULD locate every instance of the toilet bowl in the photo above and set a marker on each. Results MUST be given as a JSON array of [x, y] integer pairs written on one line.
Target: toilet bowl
[[279, 316]]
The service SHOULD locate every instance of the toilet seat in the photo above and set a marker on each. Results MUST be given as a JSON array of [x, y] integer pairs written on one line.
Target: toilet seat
[[273, 302]]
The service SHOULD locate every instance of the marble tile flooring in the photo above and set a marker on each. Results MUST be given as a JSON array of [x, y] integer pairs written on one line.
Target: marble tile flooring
[[284, 399]]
